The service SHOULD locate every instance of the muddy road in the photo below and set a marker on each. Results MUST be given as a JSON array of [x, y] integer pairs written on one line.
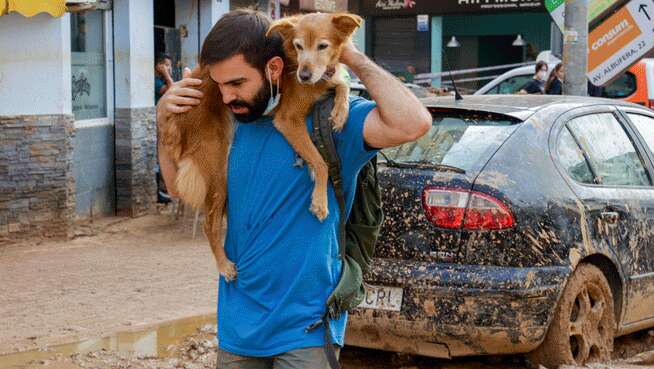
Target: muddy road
[[198, 351]]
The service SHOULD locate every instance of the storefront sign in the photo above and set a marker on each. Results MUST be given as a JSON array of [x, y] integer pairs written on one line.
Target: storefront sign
[[620, 41], [324, 5], [442, 7]]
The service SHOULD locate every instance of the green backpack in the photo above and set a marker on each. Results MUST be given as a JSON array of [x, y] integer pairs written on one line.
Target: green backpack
[[358, 234]]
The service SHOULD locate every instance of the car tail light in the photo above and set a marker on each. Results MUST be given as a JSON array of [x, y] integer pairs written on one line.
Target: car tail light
[[651, 104], [461, 209]]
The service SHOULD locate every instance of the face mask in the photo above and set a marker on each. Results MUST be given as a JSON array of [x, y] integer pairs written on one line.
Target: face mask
[[542, 75], [274, 98]]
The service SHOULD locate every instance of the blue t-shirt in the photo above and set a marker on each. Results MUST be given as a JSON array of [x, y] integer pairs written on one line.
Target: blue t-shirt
[[287, 261]]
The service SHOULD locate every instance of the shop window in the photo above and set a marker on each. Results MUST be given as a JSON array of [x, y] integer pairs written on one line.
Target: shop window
[[89, 91]]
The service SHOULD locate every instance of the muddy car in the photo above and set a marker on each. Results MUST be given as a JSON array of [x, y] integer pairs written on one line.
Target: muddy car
[[518, 224]]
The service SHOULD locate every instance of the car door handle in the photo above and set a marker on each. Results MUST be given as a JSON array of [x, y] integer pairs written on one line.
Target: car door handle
[[610, 217]]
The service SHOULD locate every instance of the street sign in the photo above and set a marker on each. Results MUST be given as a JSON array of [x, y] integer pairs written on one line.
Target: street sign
[[620, 41], [423, 22], [556, 8]]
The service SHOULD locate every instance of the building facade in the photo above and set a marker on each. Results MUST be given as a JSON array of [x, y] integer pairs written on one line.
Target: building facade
[[416, 32], [77, 116]]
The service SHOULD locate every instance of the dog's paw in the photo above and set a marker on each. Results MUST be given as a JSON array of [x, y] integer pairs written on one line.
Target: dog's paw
[[227, 270], [319, 209], [338, 117]]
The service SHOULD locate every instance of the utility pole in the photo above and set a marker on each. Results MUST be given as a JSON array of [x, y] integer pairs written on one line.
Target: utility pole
[[575, 47]]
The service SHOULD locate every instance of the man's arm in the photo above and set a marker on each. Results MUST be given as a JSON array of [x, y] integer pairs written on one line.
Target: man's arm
[[168, 171], [399, 116]]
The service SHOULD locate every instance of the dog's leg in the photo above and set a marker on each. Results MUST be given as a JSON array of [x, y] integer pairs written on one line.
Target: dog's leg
[[341, 109], [215, 231], [295, 131]]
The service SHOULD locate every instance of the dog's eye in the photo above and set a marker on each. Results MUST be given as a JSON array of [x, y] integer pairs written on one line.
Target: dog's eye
[[298, 46], [322, 46]]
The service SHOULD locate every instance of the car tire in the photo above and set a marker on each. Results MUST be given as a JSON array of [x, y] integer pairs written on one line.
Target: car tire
[[583, 325]]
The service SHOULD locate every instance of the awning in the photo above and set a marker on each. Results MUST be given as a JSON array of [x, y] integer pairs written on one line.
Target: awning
[[30, 8]]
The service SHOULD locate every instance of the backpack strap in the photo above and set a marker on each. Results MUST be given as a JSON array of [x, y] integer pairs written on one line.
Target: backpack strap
[[323, 138]]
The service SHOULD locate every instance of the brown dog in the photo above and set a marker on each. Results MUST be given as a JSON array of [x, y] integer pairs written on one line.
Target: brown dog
[[198, 141], [313, 45]]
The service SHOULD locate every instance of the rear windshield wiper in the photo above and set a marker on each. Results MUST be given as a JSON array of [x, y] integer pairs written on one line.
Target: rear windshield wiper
[[424, 164]]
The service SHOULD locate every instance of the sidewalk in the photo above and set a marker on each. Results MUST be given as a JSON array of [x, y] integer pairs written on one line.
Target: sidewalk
[[129, 272]]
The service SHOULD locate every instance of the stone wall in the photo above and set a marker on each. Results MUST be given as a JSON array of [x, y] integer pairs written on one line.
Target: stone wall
[[37, 187], [135, 160]]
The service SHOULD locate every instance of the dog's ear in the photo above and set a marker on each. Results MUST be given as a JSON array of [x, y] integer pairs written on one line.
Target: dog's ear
[[284, 26], [346, 22]]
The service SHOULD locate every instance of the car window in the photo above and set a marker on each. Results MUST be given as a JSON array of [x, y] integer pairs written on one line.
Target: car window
[[463, 140], [645, 126], [611, 152], [572, 158], [622, 87], [513, 84]]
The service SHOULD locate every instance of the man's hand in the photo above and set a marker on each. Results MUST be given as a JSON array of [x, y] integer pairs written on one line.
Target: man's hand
[[180, 97], [349, 53]]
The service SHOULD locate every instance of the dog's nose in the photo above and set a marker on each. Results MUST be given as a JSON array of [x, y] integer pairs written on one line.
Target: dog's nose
[[305, 75]]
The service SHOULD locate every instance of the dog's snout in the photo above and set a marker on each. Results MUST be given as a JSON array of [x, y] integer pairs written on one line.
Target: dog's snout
[[305, 74]]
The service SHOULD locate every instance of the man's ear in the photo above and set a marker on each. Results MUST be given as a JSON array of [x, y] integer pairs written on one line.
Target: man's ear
[[276, 66], [346, 23], [284, 26]]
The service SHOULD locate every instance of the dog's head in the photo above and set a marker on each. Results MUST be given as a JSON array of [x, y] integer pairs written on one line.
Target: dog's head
[[314, 41]]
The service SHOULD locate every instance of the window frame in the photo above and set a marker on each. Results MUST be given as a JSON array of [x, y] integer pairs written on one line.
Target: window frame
[[108, 119], [624, 113], [636, 140]]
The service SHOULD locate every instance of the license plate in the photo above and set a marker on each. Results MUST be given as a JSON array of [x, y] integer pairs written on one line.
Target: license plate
[[382, 298]]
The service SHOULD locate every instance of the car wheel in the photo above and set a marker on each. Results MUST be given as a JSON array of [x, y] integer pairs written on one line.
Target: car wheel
[[583, 325]]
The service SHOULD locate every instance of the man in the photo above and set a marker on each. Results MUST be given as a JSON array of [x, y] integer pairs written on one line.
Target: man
[[536, 85], [287, 261], [163, 80]]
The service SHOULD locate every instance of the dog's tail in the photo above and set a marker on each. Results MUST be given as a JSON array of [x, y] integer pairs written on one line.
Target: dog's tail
[[190, 183]]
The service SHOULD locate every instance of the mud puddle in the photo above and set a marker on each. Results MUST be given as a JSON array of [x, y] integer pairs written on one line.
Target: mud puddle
[[160, 341]]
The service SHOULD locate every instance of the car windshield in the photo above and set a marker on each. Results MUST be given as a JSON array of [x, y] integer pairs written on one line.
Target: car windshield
[[464, 141]]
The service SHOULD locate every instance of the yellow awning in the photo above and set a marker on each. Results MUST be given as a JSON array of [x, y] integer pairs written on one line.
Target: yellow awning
[[30, 8]]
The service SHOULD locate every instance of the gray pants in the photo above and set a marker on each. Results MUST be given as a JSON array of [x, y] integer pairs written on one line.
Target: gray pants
[[307, 358]]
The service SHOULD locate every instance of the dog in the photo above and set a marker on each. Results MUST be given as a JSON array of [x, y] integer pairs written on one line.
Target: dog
[[198, 141], [313, 44]]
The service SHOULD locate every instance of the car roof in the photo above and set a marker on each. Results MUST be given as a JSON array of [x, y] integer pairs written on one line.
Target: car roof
[[518, 106]]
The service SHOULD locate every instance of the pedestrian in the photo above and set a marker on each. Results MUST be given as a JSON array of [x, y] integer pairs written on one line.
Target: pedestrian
[[409, 74], [554, 85], [287, 260], [163, 80], [536, 85]]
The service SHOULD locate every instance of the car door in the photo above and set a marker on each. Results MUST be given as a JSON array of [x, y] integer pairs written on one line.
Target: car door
[[617, 196], [641, 289]]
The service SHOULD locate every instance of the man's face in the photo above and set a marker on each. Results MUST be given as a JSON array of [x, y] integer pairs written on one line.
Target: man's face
[[243, 87]]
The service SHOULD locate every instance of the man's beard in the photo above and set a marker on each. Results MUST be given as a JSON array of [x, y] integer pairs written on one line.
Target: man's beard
[[256, 108]]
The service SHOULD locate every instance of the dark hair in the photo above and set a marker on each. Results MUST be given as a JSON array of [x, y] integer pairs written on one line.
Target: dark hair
[[553, 76], [242, 31], [540, 65], [161, 57]]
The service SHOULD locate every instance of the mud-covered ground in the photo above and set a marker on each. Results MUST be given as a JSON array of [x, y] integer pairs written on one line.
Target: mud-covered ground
[[120, 274], [199, 352]]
